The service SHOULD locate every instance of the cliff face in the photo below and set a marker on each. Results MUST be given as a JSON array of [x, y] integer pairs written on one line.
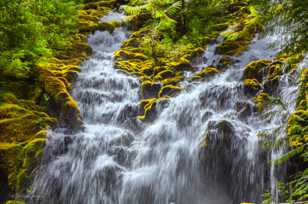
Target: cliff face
[[167, 41]]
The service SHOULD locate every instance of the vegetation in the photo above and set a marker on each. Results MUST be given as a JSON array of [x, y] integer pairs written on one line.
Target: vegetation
[[169, 34], [43, 43]]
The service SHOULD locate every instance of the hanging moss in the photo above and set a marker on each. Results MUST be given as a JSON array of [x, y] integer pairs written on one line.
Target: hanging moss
[[148, 105]]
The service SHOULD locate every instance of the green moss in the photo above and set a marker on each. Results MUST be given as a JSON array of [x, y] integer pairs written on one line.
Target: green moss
[[238, 36], [302, 99], [22, 120], [297, 140], [26, 103], [30, 156]]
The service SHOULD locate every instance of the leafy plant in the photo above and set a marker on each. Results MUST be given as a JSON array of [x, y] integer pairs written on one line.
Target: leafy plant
[[163, 13]]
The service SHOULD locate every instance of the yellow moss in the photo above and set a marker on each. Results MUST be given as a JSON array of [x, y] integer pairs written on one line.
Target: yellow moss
[[253, 69], [19, 122], [297, 128], [6, 146], [168, 88], [205, 72], [23, 124], [130, 54], [261, 100], [163, 74], [181, 63], [174, 80], [54, 78], [15, 202], [297, 123], [252, 83], [274, 71], [148, 105], [90, 14], [137, 67], [30, 155], [302, 100]]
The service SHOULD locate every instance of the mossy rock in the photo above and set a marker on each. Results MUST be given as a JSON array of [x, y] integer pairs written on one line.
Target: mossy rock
[[261, 101], [230, 48], [205, 73], [255, 69], [19, 161], [25, 116], [251, 86], [238, 36], [150, 88], [168, 90], [298, 128], [302, 99], [149, 107], [21, 120], [15, 202]]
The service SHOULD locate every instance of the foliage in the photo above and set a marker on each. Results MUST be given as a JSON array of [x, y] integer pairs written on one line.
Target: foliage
[[41, 46], [32, 29], [163, 13], [296, 20]]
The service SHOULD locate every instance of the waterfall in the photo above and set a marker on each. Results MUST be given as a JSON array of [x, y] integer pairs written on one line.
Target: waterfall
[[117, 159]]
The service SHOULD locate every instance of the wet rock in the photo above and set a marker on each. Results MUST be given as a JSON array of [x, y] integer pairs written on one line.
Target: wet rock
[[185, 119], [125, 140], [206, 116], [128, 112], [150, 89], [224, 163], [251, 86], [206, 73], [224, 62], [271, 87], [120, 155], [149, 107], [168, 90], [256, 69], [245, 109]]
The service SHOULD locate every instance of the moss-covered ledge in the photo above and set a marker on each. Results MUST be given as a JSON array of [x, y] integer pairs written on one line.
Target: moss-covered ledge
[[28, 109]]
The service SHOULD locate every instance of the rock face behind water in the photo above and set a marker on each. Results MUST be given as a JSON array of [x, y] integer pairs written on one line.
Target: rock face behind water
[[225, 165]]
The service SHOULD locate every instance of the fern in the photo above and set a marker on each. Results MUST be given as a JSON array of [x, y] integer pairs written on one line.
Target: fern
[[174, 9], [162, 13], [137, 10]]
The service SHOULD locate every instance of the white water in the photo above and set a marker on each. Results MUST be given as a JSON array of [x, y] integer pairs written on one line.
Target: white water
[[117, 159]]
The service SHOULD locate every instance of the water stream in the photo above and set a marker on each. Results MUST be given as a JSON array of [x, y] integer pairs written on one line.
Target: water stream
[[117, 159]]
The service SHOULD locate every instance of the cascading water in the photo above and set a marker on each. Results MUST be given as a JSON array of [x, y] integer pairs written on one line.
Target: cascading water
[[117, 159]]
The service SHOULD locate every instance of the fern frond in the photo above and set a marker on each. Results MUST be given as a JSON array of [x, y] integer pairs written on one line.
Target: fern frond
[[165, 23], [136, 10], [174, 9]]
